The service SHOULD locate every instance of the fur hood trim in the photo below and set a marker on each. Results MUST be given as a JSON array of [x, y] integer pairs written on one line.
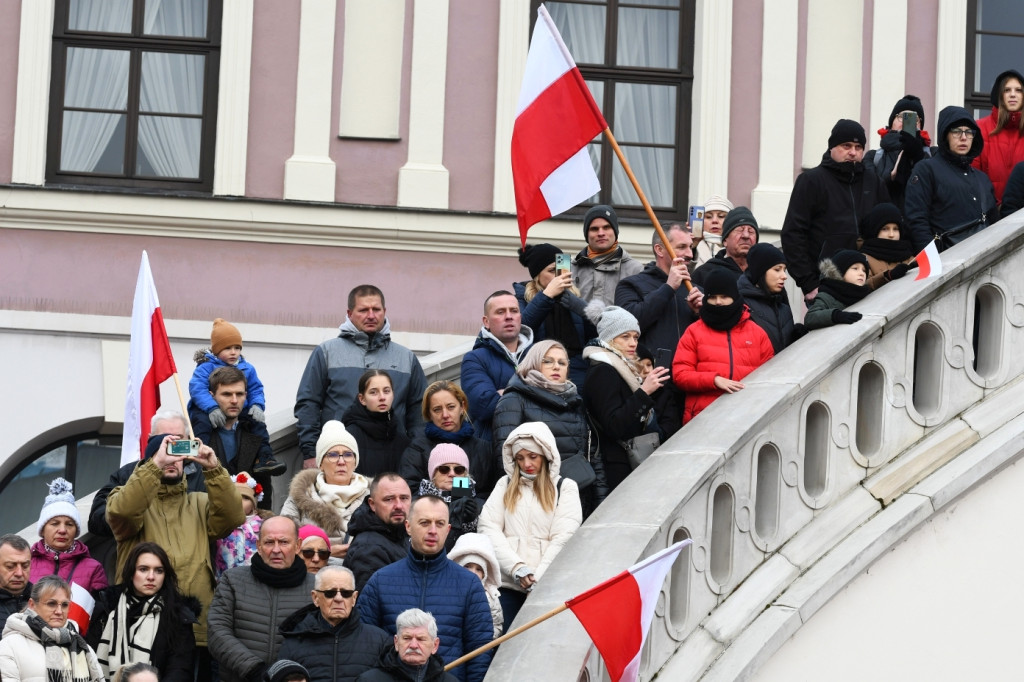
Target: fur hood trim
[[303, 492], [829, 270]]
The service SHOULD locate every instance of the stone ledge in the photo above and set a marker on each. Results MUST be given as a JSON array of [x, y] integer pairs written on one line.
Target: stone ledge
[[755, 645], [697, 652], [727, 622], [828, 527]]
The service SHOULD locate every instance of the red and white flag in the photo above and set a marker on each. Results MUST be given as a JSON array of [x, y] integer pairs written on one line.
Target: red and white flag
[[150, 363], [928, 262], [617, 613], [81, 607], [555, 119]]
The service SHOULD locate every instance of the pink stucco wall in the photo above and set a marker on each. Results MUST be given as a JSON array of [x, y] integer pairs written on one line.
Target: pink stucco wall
[[745, 111], [275, 59], [470, 103], [922, 47], [245, 282], [10, 24]]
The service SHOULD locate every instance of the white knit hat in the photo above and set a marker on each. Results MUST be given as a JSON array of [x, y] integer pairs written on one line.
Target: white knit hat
[[334, 433], [60, 502], [717, 202]]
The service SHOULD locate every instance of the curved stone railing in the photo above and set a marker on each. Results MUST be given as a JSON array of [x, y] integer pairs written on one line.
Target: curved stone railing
[[771, 479]]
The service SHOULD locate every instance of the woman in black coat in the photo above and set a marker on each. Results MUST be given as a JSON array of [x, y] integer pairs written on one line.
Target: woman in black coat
[[370, 419], [762, 286], [540, 391], [145, 611]]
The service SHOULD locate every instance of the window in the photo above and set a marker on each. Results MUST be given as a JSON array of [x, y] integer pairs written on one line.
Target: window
[[637, 58], [133, 98], [995, 41]]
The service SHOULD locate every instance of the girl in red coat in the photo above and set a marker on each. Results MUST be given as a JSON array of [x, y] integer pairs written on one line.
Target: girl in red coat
[[1003, 131], [719, 349]]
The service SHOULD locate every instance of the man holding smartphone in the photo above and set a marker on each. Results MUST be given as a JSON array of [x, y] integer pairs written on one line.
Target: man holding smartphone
[[904, 143]]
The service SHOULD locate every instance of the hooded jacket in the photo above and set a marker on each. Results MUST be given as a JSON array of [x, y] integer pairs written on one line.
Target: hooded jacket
[[23, 658], [825, 208], [597, 280], [475, 548], [183, 523], [75, 565], [330, 381], [528, 535], [946, 192], [485, 370], [705, 353], [339, 653], [1005, 149], [771, 312], [375, 544], [199, 384], [720, 262]]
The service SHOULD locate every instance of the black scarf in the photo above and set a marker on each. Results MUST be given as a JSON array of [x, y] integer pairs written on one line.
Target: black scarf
[[887, 250], [292, 576], [722, 317], [560, 327], [961, 161], [438, 434], [843, 291]]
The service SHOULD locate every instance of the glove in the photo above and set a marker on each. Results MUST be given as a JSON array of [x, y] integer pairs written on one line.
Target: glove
[[913, 148], [464, 511], [257, 414], [799, 332], [843, 317], [217, 418], [522, 572], [897, 271]]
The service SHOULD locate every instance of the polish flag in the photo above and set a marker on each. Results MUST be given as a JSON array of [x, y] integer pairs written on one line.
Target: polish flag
[[617, 613], [150, 363], [81, 607], [555, 119], [928, 262]]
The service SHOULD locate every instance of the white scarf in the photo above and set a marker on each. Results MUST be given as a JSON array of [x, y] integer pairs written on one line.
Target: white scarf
[[120, 644], [342, 497]]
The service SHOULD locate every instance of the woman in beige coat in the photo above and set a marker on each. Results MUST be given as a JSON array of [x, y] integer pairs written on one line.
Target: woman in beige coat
[[531, 514]]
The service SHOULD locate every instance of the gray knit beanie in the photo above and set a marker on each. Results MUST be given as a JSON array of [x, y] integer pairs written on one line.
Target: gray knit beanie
[[615, 321]]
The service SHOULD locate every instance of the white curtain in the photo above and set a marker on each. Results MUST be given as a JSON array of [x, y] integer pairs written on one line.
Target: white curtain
[[94, 79], [171, 84], [175, 18], [645, 114], [582, 28], [108, 16], [648, 37]]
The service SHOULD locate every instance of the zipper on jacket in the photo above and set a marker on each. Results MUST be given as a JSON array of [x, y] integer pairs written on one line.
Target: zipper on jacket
[[728, 340]]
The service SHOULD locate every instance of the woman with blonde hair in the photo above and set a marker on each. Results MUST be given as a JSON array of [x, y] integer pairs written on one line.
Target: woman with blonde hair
[[531, 514]]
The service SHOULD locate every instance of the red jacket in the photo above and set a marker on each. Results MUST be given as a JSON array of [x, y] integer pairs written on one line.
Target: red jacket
[[703, 354], [1001, 152]]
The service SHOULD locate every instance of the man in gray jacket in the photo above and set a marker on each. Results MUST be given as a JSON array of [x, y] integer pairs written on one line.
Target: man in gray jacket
[[598, 268], [330, 382], [251, 603]]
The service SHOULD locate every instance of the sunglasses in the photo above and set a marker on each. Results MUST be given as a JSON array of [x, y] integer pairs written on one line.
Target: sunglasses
[[324, 554], [459, 469], [330, 594]]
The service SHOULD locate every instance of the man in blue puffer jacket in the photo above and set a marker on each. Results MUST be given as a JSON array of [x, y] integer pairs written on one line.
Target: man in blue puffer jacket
[[428, 580]]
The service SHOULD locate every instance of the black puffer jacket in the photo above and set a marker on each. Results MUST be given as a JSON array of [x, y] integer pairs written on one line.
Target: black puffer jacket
[[381, 441], [771, 312], [661, 311], [483, 466], [174, 646], [945, 192], [825, 208], [390, 669], [374, 545], [339, 653], [13, 603]]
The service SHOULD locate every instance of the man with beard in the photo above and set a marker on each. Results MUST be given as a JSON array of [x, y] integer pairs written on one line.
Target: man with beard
[[378, 527], [827, 204], [154, 505]]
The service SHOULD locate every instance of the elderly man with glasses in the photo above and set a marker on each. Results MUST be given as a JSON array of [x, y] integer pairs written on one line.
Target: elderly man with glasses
[[328, 636], [947, 199]]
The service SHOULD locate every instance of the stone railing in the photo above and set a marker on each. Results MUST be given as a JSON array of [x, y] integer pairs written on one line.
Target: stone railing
[[875, 406]]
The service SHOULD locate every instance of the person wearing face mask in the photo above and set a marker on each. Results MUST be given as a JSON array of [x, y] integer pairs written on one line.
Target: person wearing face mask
[[889, 255], [719, 350], [1002, 131], [843, 282], [763, 288]]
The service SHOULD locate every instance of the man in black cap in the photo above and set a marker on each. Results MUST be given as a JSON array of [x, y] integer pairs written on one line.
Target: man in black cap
[[900, 150], [599, 267], [739, 232], [827, 204]]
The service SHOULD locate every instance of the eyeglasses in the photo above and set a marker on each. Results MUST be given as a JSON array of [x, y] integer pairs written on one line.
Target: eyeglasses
[[333, 456], [459, 469], [331, 594], [324, 554], [53, 604], [552, 361], [962, 132]]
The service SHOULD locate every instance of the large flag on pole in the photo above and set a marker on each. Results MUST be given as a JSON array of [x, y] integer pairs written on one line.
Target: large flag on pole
[[929, 262], [555, 119], [149, 364], [617, 613]]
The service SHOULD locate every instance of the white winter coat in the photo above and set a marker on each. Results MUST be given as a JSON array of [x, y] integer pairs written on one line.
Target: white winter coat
[[22, 658], [530, 536]]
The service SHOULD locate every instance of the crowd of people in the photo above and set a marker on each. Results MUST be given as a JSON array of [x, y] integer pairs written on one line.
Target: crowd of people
[[424, 515]]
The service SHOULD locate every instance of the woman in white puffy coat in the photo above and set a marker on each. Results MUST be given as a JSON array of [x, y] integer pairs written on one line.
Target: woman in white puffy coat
[[531, 513]]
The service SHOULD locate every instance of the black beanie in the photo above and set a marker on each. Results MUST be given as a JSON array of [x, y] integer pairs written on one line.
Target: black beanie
[[846, 130], [284, 669], [877, 218], [536, 257], [740, 215], [721, 283], [153, 444], [600, 211], [760, 259], [908, 103], [845, 258]]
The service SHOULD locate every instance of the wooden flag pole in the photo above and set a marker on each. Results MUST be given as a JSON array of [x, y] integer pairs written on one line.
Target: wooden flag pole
[[508, 635], [643, 200], [184, 407]]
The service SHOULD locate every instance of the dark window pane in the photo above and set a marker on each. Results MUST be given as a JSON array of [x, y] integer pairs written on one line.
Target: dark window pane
[[645, 113], [92, 142], [94, 463], [1005, 16], [996, 54], [654, 169], [172, 83], [105, 16], [96, 79], [169, 147], [180, 18], [648, 37], [658, 3], [23, 496], [582, 29]]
